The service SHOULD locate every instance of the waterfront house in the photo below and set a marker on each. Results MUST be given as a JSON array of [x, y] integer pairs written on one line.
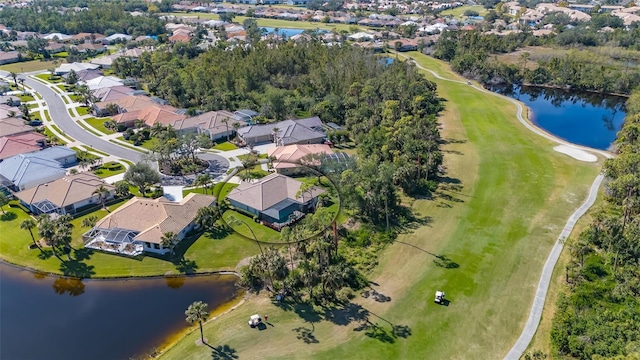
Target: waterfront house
[[65, 195]]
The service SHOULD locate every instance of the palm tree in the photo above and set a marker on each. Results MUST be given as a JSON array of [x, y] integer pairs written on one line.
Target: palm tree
[[168, 240], [28, 224], [14, 75], [4, 200], [21, 81], [25, 111], [47, 231], [236, 126], [89, 221], [226, 123], [203, 180], [102, 192], [274, 133], [207, 217], [197, 312]]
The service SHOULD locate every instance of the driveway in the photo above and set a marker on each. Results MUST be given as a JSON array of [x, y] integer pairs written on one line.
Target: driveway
[[62, 119]]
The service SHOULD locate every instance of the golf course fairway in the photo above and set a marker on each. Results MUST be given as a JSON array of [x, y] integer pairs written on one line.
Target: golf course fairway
[[483, 239]]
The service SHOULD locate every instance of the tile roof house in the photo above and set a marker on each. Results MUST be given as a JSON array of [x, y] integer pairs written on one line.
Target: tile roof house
[[150, 115], [27, 142], [287, 132], [7, 57], [288, 158], [274, 198], [103, 82], [124, 104], [76, 66], [91, 47], [13, 126], [211, 123], [112, 93], [141, 223], [65, 195]]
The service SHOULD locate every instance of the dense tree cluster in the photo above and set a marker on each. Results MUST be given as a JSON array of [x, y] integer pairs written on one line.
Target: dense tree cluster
[[105, 18], [599, 317], [471, 54]]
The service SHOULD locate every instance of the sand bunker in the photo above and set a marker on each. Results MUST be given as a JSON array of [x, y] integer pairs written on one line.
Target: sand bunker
[[576, 153]]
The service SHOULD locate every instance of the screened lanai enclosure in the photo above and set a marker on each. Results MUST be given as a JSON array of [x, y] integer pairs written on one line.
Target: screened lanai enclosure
[[114, 240]]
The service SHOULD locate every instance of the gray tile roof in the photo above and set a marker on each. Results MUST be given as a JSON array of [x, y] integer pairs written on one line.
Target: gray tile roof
[[270, 191]]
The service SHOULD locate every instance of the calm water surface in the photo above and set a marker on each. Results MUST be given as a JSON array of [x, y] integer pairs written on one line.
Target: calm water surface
[[587, 119], [43, 317]]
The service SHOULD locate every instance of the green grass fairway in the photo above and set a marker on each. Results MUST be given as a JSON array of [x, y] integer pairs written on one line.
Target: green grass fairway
[[276, 23], [27, 66], [459, 11], [505, 198]]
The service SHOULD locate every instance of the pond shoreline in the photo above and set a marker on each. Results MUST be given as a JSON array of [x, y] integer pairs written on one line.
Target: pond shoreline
[[116, 277]]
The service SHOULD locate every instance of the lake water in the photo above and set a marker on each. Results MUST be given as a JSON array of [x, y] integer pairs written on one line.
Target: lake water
[[44, 317], [587, 119]]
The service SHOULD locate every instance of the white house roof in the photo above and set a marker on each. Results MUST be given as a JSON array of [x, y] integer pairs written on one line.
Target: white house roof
[[103, 82], [119, 36], [76, 66], [361, 36], [26, 168], [60, 36]]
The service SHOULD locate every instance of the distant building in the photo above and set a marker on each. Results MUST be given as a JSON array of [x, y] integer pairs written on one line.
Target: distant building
[[216, 124], [8, 57], [287, 132]]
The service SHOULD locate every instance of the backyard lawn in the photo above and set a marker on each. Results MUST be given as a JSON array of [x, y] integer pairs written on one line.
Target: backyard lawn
[[219, 250], [105, 171], [48, 78], [491, 224], [237, 221]]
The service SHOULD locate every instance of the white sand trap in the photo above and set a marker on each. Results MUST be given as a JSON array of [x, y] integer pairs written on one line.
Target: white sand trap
[[575, 153]]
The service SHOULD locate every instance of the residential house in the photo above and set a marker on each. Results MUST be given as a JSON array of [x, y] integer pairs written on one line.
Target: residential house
[[289, 160], [115, 38], [27, 142], [124, 104], [216, 124], [24, 171], [83, 37], [403, 45], [140, 224], [7, 111], [86, 75], [103, 82], [13, 126], [76, 67], [10, 100], [287, 132], [55, 47], [65, 195], [89, 47], [150, 115], [275, 199], [245, 115], [112, 93], [8, 57], [57, 37]]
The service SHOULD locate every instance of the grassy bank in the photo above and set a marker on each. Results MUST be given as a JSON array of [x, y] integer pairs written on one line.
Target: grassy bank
[[503, 201]]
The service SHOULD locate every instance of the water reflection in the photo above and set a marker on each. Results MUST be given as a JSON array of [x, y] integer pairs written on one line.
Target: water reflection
[[582, 118], [97, 319]]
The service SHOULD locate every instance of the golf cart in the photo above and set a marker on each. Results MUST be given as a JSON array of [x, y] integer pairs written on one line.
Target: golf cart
[[439, 297], [254, 320]]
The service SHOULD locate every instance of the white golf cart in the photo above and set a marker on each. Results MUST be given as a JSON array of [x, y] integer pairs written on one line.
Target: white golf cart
[[439, 297], [254, 320]]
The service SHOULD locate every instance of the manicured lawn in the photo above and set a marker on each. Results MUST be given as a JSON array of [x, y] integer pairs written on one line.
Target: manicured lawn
[[209, 252], [262, 233], [147, 144], [103, 172], [220, 190], [82, 110], [98, 124], [245, 156], [62, 87], [46, 114], [507, 197], [88, 128], [225, 146], [136, 148], [75, 98], [48, 78], [89, 148], [54, 127], [26, 98], [27, 66]]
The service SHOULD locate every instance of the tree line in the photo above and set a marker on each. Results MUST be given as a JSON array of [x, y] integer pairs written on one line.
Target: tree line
[[104, 18], [598, 316]]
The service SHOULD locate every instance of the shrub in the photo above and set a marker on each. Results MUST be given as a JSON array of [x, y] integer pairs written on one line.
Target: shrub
[[121, 128]]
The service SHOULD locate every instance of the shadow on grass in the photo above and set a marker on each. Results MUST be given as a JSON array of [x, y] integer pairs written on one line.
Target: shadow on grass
[[76, 269], [306, 335], [185, 266], [219, 232], [8, 216], [45, 254], [223, 352], [82, 254], [444, 262]]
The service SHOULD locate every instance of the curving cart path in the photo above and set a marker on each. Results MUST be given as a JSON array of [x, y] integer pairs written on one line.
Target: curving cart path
[[547, 270]]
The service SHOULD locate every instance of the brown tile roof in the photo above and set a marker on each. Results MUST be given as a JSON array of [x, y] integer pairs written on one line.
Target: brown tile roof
[[179, 37], [270, 190], [154, 217], [13, 126], [110, 94], [20, 144], [66, 191], [210, 121], [162, 114], [9, 55], [289, 156]]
